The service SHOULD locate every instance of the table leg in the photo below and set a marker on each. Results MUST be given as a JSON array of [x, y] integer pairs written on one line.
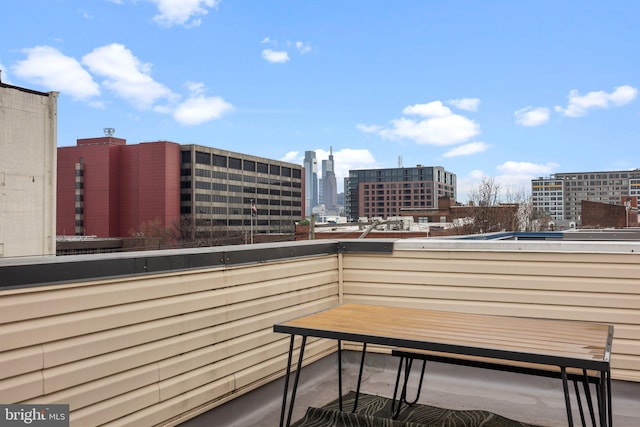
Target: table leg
[[579, 400], [286, 382], [567, 398], [295, 381], [395, 412], [340, 375], [609, 405], [364, 351]]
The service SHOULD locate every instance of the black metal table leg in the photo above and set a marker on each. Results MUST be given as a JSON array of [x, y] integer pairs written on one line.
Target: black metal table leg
[[579, 399], [567, 398], [587, 392], [364, 352], [295, 381], [396, 411], [340, 375], [406, 384], [609, 405], [286, 381]]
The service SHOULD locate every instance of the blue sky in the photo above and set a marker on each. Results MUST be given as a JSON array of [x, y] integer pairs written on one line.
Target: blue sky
[[499, 88]]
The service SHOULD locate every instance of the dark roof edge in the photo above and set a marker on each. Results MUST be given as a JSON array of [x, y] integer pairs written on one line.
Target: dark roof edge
[[23, 89]]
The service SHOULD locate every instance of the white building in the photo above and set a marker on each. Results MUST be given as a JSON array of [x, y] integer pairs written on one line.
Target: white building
[[28, 141]]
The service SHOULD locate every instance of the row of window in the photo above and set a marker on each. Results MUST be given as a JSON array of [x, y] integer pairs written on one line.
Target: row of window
[[209, 210], [219, 198], [221, 222], [211, 159], [393, 198]]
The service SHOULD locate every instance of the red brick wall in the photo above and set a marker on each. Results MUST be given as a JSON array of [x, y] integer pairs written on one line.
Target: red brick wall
[[124, 186]]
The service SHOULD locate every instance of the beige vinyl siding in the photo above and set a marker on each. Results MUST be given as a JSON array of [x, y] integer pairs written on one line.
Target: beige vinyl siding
[[594, 287], [160, 348], [113, 349]]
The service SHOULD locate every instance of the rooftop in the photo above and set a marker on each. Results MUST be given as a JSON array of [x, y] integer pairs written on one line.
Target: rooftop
[[186, 336]]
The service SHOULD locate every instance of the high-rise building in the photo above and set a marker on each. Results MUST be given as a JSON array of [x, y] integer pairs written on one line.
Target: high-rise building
[[328, 186], [386, 192], [28, 139], [107, 188], [310, 165], [561, 194], [223, 190]]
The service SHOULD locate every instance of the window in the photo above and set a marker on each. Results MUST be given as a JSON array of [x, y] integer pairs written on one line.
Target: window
[[219, 160], [203, 158], [235, 163], [185, 156], [249, 165]]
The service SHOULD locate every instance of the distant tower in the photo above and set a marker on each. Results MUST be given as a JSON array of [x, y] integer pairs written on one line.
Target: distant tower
[[399, 161], [329, 184], [310, 165], [108, 132]]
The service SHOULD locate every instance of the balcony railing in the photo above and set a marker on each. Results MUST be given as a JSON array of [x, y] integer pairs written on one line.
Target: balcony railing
[[149, 338]]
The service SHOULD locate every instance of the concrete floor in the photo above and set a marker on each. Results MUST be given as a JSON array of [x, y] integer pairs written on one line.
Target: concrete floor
[[520, 397]]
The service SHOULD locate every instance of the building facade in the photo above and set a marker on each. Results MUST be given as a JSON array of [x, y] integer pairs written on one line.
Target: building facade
[[560, 196], [225, 191], [28, 140], [107, 188], [383, 193]]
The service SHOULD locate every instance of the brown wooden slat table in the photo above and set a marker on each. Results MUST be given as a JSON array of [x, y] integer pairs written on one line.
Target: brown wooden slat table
[[566, 344]]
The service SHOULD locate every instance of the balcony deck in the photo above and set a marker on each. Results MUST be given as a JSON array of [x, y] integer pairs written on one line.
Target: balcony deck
[[156, 338], [524, 398]]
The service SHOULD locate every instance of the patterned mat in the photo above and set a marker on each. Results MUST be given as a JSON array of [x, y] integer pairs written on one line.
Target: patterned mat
[[375, 411]]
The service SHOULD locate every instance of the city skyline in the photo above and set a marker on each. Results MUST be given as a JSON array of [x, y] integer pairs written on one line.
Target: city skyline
[[512, 90]]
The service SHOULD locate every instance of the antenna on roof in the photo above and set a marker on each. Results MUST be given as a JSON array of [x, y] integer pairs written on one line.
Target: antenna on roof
[[109, 131]]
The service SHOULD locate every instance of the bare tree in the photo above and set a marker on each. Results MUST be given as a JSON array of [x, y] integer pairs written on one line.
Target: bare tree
[[491, 209]]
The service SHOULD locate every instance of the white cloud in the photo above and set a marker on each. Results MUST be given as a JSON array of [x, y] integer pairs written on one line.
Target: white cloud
[[467, 104], [4, 76], [467, 149], [275, 56], [200, 109], [431, 109], [438, 126], [516, 176], [368, 129], [182, 12], [55, 71], [303, 47], [449, 130], [579, 105], [292, 157], [531, 117], [127, 76], [533, 170]]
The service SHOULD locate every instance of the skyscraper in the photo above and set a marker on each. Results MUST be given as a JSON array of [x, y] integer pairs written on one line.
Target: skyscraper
[[310, 181], [329, 185]]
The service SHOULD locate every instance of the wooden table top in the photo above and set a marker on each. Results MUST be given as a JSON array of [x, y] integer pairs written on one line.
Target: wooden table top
[[553, 342]]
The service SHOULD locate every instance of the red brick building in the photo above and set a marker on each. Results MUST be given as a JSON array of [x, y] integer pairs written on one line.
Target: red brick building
[[605, 215], [109, 189]]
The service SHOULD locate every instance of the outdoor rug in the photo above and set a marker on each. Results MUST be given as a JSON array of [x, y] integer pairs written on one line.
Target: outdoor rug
[[375, 411]]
